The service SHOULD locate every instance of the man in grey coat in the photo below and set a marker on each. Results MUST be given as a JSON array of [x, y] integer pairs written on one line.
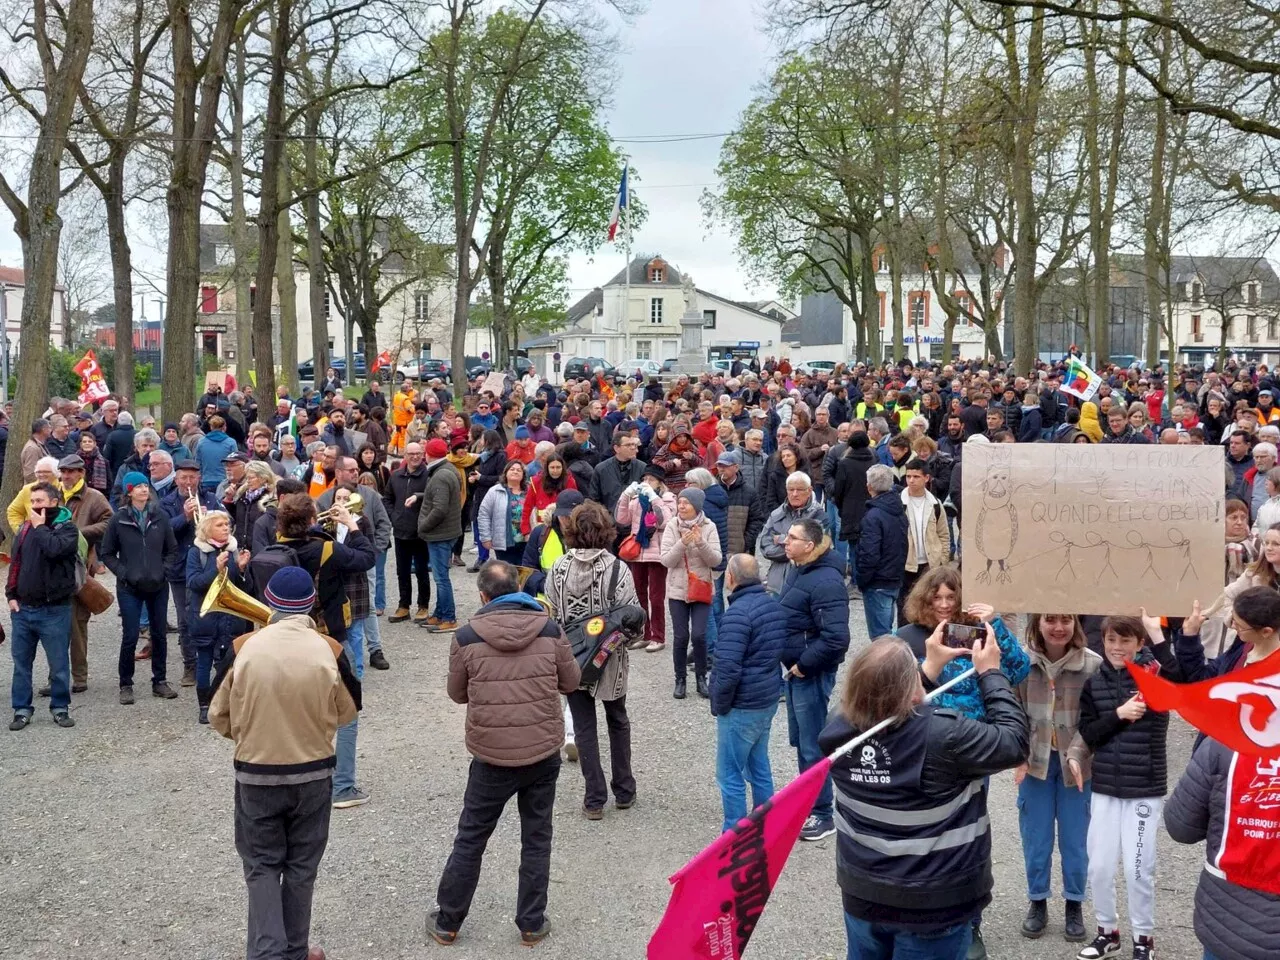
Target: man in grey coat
[[439, 524], [799, 505]]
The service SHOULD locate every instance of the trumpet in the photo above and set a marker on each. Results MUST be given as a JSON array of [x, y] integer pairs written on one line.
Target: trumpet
[[329, 518], [199, 513]]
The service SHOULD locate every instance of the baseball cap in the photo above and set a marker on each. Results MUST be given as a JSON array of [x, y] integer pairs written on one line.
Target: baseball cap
[[567, 500], [729, 458]]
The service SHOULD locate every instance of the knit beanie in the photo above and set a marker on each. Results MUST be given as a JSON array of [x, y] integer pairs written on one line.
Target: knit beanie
[[134, 479], [859, 441], [291, 590], [695, 496], [437, 449]]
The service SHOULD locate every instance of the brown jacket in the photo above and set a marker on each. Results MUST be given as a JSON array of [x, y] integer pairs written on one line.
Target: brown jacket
[[282, 699], [91, 513], [509, 665], [811, 450]]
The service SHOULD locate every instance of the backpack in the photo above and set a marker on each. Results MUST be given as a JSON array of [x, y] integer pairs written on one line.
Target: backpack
[[264, 564]]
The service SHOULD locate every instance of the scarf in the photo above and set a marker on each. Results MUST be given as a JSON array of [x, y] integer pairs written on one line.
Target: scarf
[[648, 519], [160, 486], [69, 492]]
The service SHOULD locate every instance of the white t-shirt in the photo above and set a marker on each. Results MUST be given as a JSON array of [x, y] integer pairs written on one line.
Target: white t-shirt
[[917, 518]]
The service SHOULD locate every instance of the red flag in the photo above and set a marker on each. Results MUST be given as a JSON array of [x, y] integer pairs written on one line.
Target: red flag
[[720, 894], [1241, 710], [381, 360], [93, 386]]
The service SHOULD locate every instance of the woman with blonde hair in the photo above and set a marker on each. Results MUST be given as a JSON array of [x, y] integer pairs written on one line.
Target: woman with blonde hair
[[214, 550], [1053, 785], [248, 503]]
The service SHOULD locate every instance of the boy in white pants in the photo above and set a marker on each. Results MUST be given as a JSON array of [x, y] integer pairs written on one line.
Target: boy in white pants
[[1130, 779]]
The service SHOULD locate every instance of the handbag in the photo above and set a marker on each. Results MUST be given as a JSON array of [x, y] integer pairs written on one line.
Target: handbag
[[95, 597], [597, 636], [629, 549], [697, 590]]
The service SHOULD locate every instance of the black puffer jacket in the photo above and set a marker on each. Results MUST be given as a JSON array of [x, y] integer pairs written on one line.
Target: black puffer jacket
[[1129, 757], [138, 558], [402, 485], [1232, 921]]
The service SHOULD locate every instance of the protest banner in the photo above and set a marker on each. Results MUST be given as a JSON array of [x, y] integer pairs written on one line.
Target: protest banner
[[1083, 528]]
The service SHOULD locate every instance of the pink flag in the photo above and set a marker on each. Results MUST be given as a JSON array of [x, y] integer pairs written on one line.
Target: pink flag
[[720, 894]]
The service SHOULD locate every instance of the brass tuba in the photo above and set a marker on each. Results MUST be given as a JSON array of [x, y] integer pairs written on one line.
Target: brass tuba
[[329, 518], [225, 597]]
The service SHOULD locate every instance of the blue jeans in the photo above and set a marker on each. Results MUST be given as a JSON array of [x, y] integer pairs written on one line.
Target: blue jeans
[[372, 636], [841, 547], [207, 657], [874, 941], [440, 555], [879, 606], [344, 771], [380, 581], [1042, 805], [807, 702], [482, 552], [714, 615], [50, 627], [132, 603], [742, 756]]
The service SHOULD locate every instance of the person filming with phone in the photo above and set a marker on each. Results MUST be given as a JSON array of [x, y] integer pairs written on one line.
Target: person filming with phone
[[913, 852]]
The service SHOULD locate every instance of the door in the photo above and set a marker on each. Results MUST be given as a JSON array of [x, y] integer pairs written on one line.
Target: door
[[209, 343]]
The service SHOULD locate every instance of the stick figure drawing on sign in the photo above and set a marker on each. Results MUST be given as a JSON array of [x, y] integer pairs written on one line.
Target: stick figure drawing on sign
[[996, 531]]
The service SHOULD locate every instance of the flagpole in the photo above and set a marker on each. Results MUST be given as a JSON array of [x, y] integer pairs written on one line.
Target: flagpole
[[626, 252], [862, 738]]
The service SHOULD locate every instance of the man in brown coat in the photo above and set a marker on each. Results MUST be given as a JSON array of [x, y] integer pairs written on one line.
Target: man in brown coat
[[509, 665], [90, 512], [815, 443]]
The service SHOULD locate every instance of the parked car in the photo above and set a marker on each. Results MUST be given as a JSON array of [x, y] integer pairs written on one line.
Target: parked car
[[423, 368], [581, 368], [307, 369], [816, 366], [640, 369]]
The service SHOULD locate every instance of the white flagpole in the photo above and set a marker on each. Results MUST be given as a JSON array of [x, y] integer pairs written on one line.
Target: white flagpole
[[862, 738]]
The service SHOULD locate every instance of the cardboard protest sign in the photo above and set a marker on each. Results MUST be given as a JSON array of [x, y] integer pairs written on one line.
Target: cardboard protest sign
[[1084, 528], [494, 383]]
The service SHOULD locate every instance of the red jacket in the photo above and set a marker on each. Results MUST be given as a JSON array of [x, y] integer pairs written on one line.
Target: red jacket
[[539, 499]]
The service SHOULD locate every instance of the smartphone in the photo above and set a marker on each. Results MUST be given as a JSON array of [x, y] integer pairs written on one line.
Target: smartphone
[[960, 635]]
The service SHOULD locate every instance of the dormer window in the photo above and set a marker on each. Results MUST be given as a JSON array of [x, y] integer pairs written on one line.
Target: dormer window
[[1196, 291], [1251, 294], [656, 274]]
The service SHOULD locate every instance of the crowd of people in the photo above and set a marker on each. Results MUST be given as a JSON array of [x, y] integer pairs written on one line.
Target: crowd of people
[[749, 509]]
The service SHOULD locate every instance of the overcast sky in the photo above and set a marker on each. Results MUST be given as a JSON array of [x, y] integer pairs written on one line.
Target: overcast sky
[[686, 67]]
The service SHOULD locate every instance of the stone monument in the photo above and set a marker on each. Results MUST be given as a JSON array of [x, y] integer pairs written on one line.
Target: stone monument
[[693, 358]]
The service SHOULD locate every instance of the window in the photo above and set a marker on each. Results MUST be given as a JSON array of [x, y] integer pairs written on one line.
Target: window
[[1251, 325], [1271, 328], [253, 297], [708, 319], [359, 344], [656, 275], [1196, 332], [1196, 290], [331, 343], [1251, 294], [421, 306], [224, 255], [655, 310], [326, 304], [918, 309], [964, 303], [1226, 325], [644, 349], [882, 310], [208, 299], [424, 349]]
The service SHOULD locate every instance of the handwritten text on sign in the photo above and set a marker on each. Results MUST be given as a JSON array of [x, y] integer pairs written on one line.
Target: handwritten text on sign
[[1076, 528]]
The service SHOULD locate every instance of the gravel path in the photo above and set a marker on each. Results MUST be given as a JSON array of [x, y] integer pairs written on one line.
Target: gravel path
[[116, 839]]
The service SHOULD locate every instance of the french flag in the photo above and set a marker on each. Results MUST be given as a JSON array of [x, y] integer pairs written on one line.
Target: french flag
[[619, 205]]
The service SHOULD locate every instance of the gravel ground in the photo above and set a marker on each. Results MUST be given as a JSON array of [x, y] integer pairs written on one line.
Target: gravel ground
[[117, 836]]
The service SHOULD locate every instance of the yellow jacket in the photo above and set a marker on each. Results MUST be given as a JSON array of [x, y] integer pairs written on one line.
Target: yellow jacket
[[20, 507], [1089, 424]]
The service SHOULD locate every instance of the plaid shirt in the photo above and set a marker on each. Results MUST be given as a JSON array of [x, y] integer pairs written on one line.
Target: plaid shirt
[[1051, 697], [357, 584]]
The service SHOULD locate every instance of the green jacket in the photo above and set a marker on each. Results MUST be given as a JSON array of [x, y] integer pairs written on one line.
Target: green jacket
[[440, 516]]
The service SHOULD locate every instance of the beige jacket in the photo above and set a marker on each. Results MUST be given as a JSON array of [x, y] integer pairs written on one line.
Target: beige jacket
[[680, 560], [282, 700], [937, 536]]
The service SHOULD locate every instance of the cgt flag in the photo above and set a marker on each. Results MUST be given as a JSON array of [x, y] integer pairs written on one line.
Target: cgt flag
[[1241, 710], [381, 360], [93, 385], [720, 894]]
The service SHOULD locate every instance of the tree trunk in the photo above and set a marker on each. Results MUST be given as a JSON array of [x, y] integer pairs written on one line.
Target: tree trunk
[[269, 206], [121, 280], [315, 251], [1026, 99], [870, 297], [288, 287], [241, 244], [1153, 252], [895, 300], [37, 223]]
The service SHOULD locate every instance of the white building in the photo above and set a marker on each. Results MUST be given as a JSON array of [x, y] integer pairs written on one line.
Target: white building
[[641, 321], [415, 321], [12, 284], [825, 329]]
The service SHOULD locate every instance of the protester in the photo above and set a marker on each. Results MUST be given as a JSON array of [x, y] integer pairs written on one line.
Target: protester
[[645, 508], [799, 504], [589, 582], [881, 555], [403, 498], [913, 856], [439, 525], [1053, 784], [281, 696], [515, 745], [690, 552], [500, 514], [213, 551]]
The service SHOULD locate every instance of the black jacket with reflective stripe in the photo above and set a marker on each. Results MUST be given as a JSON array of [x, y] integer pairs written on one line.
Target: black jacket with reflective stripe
[[913, 838]]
